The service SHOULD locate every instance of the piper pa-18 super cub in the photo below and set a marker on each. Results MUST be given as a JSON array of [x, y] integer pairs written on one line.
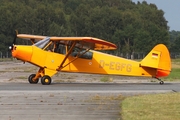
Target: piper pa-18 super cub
[[78, 54]]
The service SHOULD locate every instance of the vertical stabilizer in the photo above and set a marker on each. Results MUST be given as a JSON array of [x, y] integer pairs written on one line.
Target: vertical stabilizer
[[158, 58]]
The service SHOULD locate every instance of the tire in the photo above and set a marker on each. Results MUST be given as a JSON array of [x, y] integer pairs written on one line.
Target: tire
[[161, 82], [31, 81], [46, 80]]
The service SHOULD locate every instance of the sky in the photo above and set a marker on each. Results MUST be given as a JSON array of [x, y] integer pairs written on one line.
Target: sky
[[171, 9]]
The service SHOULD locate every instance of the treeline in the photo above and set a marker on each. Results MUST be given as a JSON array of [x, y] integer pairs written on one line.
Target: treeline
[[133, 27], [175, 42]]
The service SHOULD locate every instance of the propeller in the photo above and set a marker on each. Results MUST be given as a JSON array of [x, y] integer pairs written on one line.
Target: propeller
[[14, 41]]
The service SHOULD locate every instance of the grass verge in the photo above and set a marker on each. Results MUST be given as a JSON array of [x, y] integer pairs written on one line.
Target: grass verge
[[106, 79], [152, 107], [174, 75]]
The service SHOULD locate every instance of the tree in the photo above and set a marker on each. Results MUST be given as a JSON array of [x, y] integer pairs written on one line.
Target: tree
[[132, 27]]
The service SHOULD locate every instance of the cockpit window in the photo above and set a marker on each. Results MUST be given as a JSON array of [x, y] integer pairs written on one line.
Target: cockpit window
[[41, 44], [82, 53]]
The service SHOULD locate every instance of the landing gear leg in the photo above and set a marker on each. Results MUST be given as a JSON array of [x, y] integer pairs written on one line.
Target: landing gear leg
[[34, 78], [161, 82]]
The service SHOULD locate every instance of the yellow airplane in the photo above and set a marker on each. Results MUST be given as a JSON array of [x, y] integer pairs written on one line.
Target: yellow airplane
[[78, 54]]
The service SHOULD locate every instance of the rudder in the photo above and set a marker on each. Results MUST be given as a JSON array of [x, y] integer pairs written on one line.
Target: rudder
[[158, 58]]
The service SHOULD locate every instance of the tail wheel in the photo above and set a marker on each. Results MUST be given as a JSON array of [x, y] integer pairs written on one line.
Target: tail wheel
[[46, 80], [161, 82], [31, 81]]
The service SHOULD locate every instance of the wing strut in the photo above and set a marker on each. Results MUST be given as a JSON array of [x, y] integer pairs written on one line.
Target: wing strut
[[69, 52], [33, 41], [73, 59]]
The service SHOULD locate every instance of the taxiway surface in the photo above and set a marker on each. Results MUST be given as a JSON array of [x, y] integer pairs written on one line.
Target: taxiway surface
[[67, 101], [105, 87]]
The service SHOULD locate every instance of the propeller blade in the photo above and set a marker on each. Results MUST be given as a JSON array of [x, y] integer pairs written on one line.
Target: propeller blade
[[14, 41]]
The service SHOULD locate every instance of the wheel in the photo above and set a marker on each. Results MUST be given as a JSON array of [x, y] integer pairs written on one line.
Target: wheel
[[161, 82], [30, 79], [46, 80]]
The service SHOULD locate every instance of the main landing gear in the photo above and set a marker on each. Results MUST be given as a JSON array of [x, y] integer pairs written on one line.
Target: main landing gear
[[31, 80], [160, 81], [45, 80]]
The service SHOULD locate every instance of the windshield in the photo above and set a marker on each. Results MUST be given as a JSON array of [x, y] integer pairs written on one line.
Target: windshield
[[41, 44]]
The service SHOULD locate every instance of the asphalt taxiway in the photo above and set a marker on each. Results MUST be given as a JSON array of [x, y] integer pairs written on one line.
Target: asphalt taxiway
[[168, 86], [67, 101]]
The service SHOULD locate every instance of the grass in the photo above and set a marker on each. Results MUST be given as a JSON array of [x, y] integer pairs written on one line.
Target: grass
[[174, 75], [152, 107], [156, 106], [6, 59], [175, 63], [21, 77], [109, 98], [106, 79]]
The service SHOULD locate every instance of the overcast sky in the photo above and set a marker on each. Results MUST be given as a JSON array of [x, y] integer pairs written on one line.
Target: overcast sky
[[171, 9]]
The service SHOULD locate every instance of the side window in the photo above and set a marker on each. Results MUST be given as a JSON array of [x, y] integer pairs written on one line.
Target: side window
[[50, 47], [75, 52], [60, 48], [87, 55], [81, 53], [41, 44], [56, 47]]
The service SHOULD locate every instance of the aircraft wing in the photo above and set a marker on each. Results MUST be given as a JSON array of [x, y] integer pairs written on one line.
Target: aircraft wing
[[97, 44], [93, 43], [31, 37]]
